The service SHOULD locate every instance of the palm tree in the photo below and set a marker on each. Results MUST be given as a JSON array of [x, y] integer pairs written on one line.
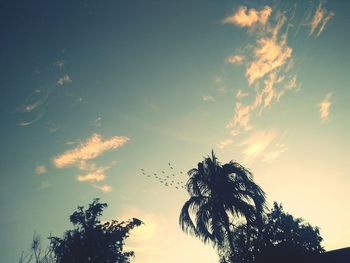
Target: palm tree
[[219, 195]]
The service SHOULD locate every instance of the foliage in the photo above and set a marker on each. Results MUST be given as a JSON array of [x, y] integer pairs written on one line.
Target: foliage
[[219, 195], [93, 241], [282, 238], [89, 241]]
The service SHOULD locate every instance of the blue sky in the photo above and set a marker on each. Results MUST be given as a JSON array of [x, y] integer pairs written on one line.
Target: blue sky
[[94, 91]]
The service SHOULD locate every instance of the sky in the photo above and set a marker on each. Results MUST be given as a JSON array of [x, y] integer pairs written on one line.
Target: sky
[[94, 91]]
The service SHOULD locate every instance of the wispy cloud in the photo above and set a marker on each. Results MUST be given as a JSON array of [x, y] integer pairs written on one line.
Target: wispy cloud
[[104, 188], [270, 55], [36, 103], [208, 98], [257, 143], [320, 19], [40, 169], [96, 175], [241, 117], [224, 143], [64, 79], [60, 63], [83, 153], [245, 17], [269, 70], [98, 122], [235, 59], [268, 63], [241, 94], [274, 154], [324, 107], [90, 149]]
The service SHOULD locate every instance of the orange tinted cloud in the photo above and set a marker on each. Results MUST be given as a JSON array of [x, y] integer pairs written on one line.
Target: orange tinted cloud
[[235, 59], [104, 188], [93, 176], [90, 149], [244, 17], [270, 54], [40, 169], [320, 19]]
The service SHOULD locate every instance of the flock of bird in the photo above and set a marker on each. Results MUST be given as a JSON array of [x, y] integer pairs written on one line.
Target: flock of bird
[[169, 179]]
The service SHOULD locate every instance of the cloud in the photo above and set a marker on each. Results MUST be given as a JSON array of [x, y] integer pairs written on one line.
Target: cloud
[[83, 153], [60, 63], [268, 69], [34, 106], [274, 154], [241, 94], [224, 143], [98, 122], [241, 118], [104, 188], [270, 54], [324, 107], [248, 18], [96, 175], [40, 169], [208, 98], [257, 143], [320, 19], [90, 149], [64, 79], [235, 59]]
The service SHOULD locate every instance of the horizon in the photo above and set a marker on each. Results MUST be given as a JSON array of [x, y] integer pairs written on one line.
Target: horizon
[[105, 99]]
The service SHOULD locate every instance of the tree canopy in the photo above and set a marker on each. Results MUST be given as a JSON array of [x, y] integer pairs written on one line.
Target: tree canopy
[[93, 241], [283, 238], [219, 195], [89, 241]]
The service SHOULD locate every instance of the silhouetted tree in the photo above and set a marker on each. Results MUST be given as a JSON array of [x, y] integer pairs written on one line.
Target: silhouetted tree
[[283, 238], [93, 241], [89, 241], [220, 194]]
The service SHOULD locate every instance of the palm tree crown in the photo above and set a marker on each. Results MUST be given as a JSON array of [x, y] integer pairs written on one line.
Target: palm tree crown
[[219, 195]]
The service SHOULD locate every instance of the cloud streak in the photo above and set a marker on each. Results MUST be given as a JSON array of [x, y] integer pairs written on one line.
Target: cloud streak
[[104, 188], [90, 149], [235, 59], [81, 157], [96, 175], [324, 107], [320, 19], [224, 143], [208, 98]]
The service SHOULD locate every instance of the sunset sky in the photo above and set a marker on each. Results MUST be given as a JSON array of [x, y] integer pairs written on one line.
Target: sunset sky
[[94, 91]]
